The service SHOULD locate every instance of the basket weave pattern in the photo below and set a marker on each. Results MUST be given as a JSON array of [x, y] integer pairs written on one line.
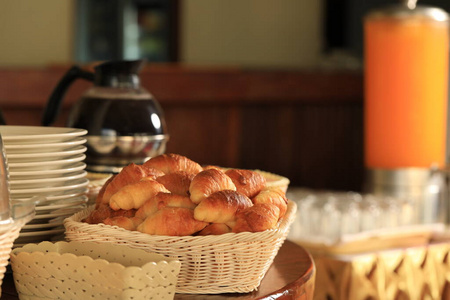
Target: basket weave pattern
[[6, 243], [232, 262], [51, 271], [419, 273]]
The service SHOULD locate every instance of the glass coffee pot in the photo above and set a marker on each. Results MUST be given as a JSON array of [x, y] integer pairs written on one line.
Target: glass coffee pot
[[124, 121]]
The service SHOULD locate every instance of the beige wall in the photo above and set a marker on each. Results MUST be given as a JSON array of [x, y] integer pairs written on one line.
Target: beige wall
[[284, 33], [262, 33], [35, 32]]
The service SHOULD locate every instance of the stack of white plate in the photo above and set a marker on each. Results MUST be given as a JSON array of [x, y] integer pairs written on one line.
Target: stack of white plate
[[49, 162]]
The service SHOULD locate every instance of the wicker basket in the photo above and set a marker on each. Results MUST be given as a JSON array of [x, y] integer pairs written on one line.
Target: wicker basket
[[232, 262], [275, 180], [96, 181], [7, 239], [52, 270], [420, 273]]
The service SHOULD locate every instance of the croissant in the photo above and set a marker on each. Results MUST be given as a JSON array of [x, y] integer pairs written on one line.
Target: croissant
[[215, 229], [103, 211], [123, 222], [256, 218], [135, 194], [221, 206], [99, 199], [162, 200], [169, 163], [208, 167], [272, 195], [207, 182], [172, 221], [177, 182], [247, 182], [129, 174]]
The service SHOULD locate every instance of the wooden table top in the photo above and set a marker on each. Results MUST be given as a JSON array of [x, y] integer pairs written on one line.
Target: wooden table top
[[291, 276]]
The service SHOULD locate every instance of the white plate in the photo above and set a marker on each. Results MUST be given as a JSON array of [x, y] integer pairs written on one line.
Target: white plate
[[44, 156], [46, 165], [44, 147], [55, 196], [60, 212], [73, 201], [33, 227], [56, 236], [39, 173], [37, 236], [41, 232], [45, 182], [38, 134], [83, 182]]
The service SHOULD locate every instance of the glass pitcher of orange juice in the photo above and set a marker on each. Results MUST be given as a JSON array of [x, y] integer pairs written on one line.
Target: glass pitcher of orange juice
[[406, 50]]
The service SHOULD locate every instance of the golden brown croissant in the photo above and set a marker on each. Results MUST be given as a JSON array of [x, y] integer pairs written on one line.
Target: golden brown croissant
[[177, 182], [172, 221], [221, 206], [208, 167], [103, 211], [169, 163], [123, 222], [162, 200], [256, 218], [215, 229], [129, 174], [207, 182], [135, 194], [272, 195], [247, 182], [99, 199]]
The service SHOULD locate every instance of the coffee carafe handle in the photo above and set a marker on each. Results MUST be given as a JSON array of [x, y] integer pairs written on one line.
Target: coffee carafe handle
[[53, 106]]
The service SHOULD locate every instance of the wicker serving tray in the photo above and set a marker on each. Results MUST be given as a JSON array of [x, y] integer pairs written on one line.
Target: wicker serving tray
[[232, 262]]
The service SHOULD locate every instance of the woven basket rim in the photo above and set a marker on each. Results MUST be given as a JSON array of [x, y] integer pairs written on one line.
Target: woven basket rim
[[282, 227], [194, 252]]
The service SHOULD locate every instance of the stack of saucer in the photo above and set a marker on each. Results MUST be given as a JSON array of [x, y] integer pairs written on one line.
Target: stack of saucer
[[48, 162]]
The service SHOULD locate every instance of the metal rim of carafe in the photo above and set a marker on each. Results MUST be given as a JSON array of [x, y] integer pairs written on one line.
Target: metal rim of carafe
[[156, 137], [104, 168], [412, 176]]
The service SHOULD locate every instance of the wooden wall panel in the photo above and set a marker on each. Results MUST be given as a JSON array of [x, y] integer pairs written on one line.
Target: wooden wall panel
[[316, 146], [207, 134]]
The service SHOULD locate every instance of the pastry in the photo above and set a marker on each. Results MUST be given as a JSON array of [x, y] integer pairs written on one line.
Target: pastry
[[104, 211], [177, 182], [207, 182], [247, 182], [173, 195], [169, 163], [256, 218], [128, 223], [215, 229], [172, 221], [129, 174], [162, 200], [221, 206], [272, 195], [101, 192], [135, 194]]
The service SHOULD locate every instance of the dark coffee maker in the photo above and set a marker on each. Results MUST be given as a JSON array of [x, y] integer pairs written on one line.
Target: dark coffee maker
[[124, 121]]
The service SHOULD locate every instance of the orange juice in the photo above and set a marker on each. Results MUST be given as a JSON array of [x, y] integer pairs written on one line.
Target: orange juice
[[406, 78]]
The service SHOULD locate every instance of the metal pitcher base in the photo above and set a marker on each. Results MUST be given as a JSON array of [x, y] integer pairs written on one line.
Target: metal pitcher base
[[426, 188]]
